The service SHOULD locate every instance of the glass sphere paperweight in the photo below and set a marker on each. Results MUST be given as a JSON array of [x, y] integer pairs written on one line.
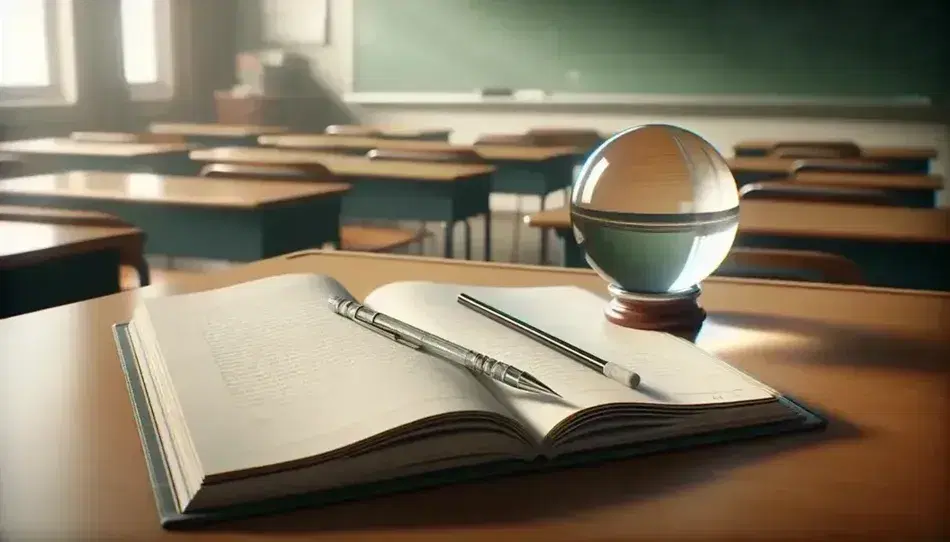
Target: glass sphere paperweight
[[655, 208]]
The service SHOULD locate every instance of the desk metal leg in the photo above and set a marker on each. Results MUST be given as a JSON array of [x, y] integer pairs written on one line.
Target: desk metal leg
[[488, 236], [468, 239], [448, 249], [544, 237], [141, 268]]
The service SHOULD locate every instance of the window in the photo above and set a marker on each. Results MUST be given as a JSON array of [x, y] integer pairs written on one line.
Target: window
[[146, 48], [29, 50]]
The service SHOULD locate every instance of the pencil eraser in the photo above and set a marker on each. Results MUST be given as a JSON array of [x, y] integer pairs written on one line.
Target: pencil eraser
[[621, 374]]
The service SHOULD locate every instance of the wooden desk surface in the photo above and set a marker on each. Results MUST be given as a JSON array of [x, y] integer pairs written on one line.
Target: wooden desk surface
[[52, 215], [343, 165], [780, 166], [558, 218], [806, 219], [523, 153], [25, 243], [839, 221], [167, 190], [66, 146], [213, 129], [890, 181], [885, 153], [73, 467], [394, 131]]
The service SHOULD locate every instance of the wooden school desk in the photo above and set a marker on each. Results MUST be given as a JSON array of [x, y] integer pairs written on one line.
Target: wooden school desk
[[132, 256], [393, 132], [894, 246], [73, 466], [218, 219], [519, 169], [361, 145], [916, 159], [559, 220], [216, 135], [44, 265], [908, 188], [64, 154], [389, 189]]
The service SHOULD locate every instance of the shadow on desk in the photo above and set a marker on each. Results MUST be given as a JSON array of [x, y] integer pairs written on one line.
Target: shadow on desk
[[803, 343]]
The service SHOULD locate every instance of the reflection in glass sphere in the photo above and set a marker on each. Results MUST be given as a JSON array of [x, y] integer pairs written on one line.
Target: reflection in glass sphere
[[656, 210]]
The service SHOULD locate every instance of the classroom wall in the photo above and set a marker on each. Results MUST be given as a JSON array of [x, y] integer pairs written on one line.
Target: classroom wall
[[204, 42], [333, 65]]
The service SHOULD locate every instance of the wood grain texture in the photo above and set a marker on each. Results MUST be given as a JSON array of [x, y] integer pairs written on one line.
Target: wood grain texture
[[830, 220], [66, 146], [525, 153], [342, 165], [874, 360], [167, 190], [213, 129]]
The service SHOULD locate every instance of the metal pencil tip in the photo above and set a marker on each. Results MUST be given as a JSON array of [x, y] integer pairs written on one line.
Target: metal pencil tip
[[530, 383]]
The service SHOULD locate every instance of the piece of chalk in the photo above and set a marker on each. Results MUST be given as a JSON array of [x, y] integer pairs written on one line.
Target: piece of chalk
[[622, 375]]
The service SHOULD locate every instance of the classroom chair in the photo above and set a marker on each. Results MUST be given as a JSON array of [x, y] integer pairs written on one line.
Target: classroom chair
[[815, 149], [149, 137], [556, 137], [800, 265], [458, 156], [358, 238], [504, 139], [790, 191], [133, 260], [247, 171], [103, 137], [126, 137], [835, 166]]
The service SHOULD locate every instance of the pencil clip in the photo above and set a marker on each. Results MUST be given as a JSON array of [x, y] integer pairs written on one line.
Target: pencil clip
[[389, 335], [384, 333]]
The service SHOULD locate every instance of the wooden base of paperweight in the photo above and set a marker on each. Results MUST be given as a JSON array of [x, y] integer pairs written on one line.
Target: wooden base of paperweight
[[678, 314]]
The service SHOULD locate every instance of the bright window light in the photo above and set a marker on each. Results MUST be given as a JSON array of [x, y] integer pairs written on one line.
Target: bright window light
[[24, 44], [139, 41]]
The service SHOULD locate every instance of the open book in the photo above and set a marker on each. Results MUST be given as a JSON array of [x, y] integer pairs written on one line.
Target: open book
[[259, 390]]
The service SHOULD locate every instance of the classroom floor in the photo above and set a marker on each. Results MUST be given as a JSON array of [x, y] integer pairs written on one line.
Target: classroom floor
[[503, 243]]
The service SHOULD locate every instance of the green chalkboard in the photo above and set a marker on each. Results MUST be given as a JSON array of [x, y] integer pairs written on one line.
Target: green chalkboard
[[802, 47]]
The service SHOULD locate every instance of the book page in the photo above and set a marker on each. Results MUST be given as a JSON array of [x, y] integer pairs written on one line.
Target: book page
[[674, 373], [265, 372]]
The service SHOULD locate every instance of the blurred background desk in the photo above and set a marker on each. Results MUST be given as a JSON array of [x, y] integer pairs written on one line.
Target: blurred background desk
[[44, 265]]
